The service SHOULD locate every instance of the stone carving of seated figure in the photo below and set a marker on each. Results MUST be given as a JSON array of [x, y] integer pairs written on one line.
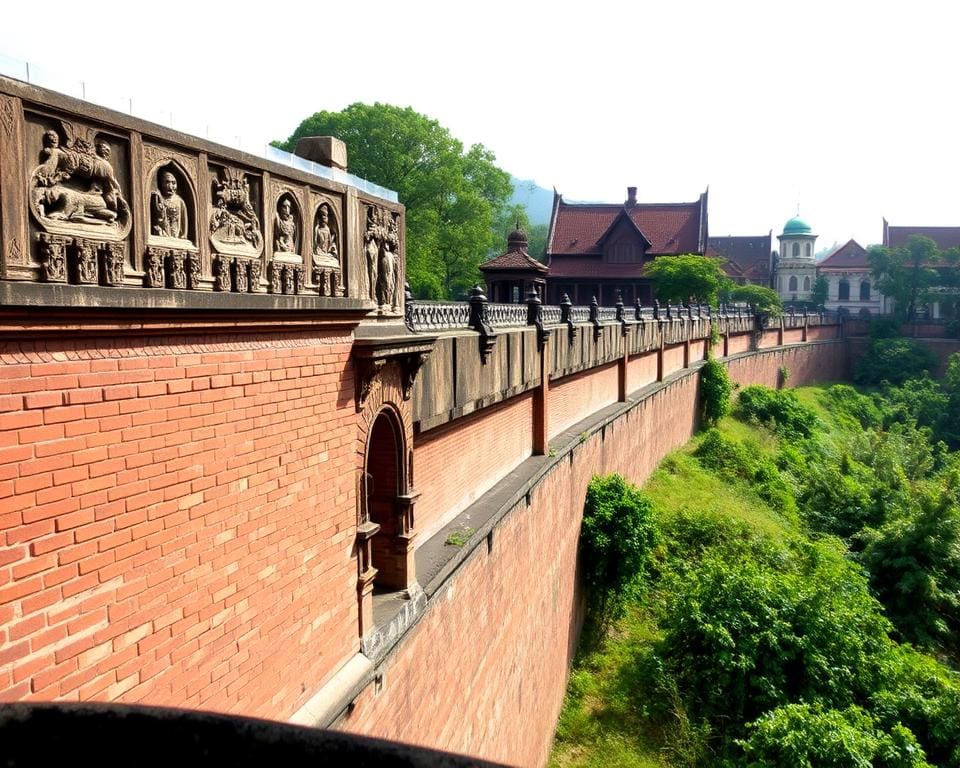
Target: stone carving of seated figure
[[284, 229], [169, 210], [325, 241]]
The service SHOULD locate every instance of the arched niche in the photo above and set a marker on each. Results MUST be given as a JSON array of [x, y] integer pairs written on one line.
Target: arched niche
[[172, 205], [287, 226]]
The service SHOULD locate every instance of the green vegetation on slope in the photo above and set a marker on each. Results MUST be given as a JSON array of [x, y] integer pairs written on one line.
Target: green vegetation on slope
[[797, 550]]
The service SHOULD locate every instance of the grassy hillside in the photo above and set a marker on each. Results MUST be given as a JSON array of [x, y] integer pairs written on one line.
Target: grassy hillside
[[756, 637]]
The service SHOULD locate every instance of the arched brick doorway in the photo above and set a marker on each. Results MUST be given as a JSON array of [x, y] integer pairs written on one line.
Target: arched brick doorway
[[383, 491], [385, 530]]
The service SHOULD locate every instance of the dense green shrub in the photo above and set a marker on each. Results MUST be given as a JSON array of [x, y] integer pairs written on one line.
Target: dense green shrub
[[851, 408], [780, 410], [920, 400], [895, 361], [924, 695], [884, 328], [835, 502], [914, 566], [617, 537], [730, 459], [743, 637], [809, 735], [715, 390]]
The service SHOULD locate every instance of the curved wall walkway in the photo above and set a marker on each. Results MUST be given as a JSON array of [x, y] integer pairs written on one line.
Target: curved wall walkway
[[483, 670]]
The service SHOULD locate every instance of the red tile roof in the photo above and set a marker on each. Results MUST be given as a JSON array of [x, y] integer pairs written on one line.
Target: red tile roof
[[850, 255], [577, 229], [514, 260], [594, 267], [944, 237], [744, 256]]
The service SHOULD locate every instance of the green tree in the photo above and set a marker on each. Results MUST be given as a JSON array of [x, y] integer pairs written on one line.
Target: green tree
[[766, 300], [686, 278], [808, 735], [507, 220], [820, 291], [617, 537], [914, 565], [895, 361], [452, 196], [906, 274]]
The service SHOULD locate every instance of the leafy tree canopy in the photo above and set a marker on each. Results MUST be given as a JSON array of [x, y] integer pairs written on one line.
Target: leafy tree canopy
[[507, 220], [452, 196], [766, 300], [686, 278], [906, 274]]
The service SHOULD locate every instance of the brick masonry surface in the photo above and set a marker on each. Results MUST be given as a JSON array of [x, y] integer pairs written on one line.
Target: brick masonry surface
[[177, 519], [458, 463]]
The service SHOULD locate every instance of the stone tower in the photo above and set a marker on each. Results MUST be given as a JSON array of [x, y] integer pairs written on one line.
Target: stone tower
[[796, 267]]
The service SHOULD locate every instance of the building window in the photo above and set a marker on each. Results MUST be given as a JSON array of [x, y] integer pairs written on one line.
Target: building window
[[865, 291], [809, 251], [806, 283], [796, 250], [843, 294], [622, 252], [792, 286]]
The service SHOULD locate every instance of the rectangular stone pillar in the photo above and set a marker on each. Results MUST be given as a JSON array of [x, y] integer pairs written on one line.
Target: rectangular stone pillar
[[541, 396]]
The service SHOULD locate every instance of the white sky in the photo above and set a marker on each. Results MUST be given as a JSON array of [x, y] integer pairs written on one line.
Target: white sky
[[848, 108]]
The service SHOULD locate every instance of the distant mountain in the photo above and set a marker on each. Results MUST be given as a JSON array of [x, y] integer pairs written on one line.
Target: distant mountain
[[537, 200]]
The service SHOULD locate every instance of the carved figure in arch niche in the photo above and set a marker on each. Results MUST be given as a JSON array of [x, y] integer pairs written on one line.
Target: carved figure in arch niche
[[168, 211], [372, 251], [387, 282], [234, 226], [325, 248], [284, 228], [382, 249], [75, 188]]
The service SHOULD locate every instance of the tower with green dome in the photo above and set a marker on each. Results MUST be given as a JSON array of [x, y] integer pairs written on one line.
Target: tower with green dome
[[796, 267]]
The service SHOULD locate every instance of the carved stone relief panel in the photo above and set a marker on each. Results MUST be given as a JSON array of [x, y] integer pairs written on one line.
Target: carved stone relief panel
[[288, 230], [381, 252], [235, 220], [78, 185], [327, 245], [170, 194]]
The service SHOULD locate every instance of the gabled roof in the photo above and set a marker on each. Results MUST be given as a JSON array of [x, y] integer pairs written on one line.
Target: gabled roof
[[944, 237], [746, 256], [623, 216], [515, 260], [578, 229], [850, 255]]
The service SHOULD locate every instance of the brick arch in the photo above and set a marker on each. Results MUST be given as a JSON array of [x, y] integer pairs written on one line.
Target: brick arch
[[385, 520]]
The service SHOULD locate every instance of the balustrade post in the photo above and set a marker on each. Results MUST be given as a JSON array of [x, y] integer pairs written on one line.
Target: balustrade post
[[565, 306], [407, 306]]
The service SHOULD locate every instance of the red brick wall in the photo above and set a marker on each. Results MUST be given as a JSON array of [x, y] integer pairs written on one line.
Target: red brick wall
[[769, 339], [456, 464], [672, 359], [641, 370], [792, 335], [738, 343], [576, 397], [698, 350], [484, 672], [177, 516], [821, 332]]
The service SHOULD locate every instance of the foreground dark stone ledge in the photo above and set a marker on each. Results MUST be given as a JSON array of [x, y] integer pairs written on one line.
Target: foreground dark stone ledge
[[116, 735]]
